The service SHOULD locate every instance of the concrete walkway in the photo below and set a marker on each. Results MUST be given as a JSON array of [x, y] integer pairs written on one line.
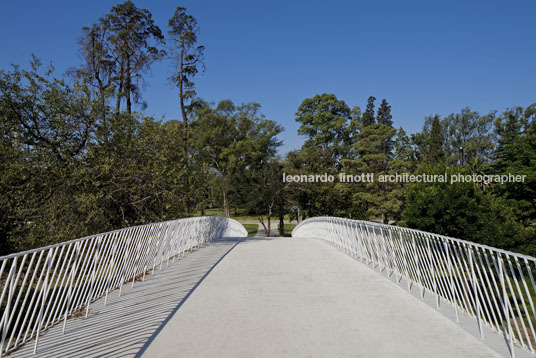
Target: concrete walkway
[[125, 325], [281, 297], [289, 297]]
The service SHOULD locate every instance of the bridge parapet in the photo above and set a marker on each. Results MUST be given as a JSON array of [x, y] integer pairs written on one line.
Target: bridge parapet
[[493, 286], [45, 286]]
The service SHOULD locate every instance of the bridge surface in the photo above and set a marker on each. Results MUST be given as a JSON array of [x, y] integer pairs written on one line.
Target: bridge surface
[[258, 297]]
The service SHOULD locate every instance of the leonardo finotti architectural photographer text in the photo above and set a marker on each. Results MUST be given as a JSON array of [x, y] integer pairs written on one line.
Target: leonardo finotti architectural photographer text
[[405, 178]]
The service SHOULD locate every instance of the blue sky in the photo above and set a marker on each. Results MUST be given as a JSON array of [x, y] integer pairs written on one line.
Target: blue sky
[[424, 57]]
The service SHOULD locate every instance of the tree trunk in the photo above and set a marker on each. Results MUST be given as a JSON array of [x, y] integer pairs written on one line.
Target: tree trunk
[[103, 109], [261, 220], [181, 100], [119, 92], [269, 219], [226, 211], [128, 87], [184, 127], [281, 214]]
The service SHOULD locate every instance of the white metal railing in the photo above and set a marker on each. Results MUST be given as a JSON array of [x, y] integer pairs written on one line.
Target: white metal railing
[[494, 286], [42, 287]]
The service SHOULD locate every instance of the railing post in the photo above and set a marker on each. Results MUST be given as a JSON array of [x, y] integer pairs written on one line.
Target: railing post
[[124, 262], [10, 282], [93, 276], [475, 289], [74, 267], [451, 284], [432, 269], [403, 247], [419, 276], [71, 275], [44, 287], [111, 265], [505, 308]]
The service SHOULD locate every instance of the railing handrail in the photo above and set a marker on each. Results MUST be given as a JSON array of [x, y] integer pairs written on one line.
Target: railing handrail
[[44, 286], [63, 243], [483, 246], [495, 287]]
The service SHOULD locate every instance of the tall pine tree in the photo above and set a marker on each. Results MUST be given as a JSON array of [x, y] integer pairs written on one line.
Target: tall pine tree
[[374, 147]]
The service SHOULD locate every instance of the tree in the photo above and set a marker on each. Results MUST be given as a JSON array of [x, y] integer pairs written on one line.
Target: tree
[[187, 55], [100, 66], [134, 38], [468, 136], [324, 120], [374, 147], [509, 128], [230, 138], [516, 154], [404, 153], [265, 188], [434, 145], [461, 210], [46, 112], [384, 118], [46, 125], [314, 199], [368, 116]]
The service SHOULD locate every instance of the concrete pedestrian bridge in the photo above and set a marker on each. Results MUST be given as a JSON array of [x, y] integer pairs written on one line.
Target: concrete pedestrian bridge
[[337, 288]]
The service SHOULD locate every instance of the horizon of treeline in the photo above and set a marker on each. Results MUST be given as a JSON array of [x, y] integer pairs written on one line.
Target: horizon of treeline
[[78, 160]]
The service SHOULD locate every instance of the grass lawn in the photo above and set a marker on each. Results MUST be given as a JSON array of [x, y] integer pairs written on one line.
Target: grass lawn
[[239, 216], [252, 229], [288, 229]]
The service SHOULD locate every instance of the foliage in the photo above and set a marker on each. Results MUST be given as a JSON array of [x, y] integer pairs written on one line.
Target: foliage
[[230, 139], [461, 210], [133, 37], [75, 163], [375, 152]]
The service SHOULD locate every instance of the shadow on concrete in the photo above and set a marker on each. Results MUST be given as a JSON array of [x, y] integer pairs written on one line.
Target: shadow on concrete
[[126, 326]]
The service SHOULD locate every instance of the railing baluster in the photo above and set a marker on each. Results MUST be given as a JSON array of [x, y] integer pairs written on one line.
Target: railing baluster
[[494, 292], [63, 278]]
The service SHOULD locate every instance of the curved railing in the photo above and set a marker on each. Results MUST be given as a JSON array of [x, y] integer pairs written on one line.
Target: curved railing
[[493, 286], [45, 286]]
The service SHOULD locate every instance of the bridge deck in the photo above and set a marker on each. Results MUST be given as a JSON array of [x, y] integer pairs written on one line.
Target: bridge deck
[[262, 298]]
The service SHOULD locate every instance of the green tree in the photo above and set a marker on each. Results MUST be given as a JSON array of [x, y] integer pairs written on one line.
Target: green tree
[[324, 120], [187, 56], [313, 199], [46, 125], [368, 116], [434, 145], [468, 136], [384, 118], [99, 67], [229, 138], [265, 188], [134, 38], [516, 154], [375, 152], [461, 210]]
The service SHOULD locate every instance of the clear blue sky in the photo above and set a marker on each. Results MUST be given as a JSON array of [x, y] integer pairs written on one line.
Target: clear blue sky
[[424, 57]]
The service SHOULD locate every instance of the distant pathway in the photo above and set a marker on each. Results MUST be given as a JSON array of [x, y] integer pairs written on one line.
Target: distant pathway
[[274, 232]]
